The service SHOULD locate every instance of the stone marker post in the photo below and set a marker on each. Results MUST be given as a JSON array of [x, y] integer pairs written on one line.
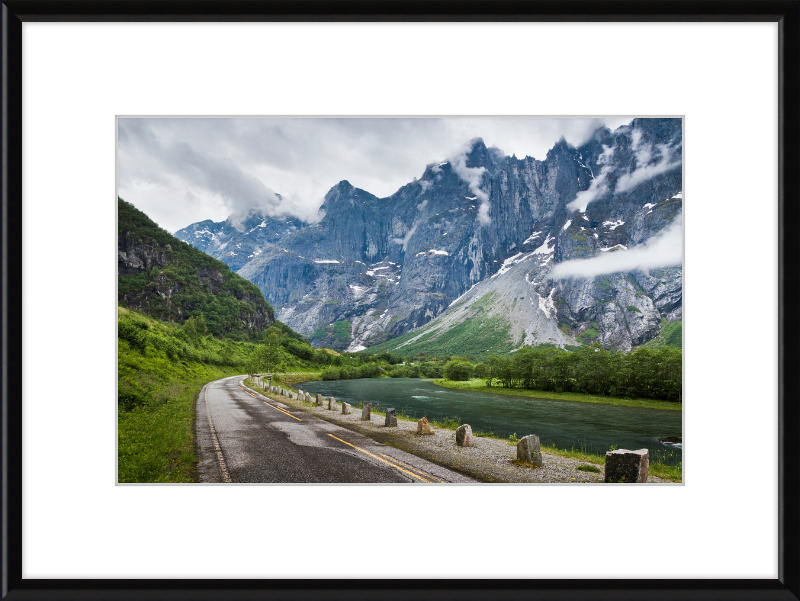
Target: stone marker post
[[423, 427], [307, 398], [332, 404], [366, 411], [319, 400], [391, 418], [623, 465], [528, 450], [464, 436], [345, 408]]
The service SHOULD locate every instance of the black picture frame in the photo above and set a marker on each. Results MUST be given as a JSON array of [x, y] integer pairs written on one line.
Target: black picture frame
[[15, 12]]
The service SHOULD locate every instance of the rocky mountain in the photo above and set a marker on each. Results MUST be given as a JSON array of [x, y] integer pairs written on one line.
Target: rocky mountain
[[237, 246], [163, 277], [486, 252]]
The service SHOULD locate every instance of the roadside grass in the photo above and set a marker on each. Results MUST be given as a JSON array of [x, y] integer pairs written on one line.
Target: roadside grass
[[156, 438], [589, 468], [584, 454], [479, 385], [662, 470]]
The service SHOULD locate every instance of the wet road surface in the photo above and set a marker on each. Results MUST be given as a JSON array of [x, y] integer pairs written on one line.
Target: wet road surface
[[242, 436]]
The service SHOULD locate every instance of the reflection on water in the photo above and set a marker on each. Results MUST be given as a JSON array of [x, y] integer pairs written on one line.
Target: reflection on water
[[567, 424]]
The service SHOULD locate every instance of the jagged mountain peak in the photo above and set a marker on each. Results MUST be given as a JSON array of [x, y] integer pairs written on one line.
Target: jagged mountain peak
[[387, 266]]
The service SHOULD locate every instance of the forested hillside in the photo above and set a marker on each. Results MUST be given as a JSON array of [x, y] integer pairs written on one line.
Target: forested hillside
[[172, 281]]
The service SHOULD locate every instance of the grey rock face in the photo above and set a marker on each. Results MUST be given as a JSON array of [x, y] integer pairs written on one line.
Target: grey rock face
[[423, 427], [391, 418], [373, 269], [345, 408], [237, 241], [464, 436], [528, 450], [623, 465], [366, 412], [332, 404]]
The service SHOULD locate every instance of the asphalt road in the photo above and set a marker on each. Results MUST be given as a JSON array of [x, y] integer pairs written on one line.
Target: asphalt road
[[242, 436]]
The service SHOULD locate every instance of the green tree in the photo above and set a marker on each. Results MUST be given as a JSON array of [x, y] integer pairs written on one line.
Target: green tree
[[267, 356], [458, 370], [195, 327]]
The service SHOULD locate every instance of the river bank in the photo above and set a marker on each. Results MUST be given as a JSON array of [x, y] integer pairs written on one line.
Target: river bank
[[479, 385], [490, 460]]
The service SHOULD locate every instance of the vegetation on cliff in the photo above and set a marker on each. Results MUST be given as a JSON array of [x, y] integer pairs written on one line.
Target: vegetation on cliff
[[170, 280]]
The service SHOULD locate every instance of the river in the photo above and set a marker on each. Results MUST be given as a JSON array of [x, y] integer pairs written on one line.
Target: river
[[567, 424]]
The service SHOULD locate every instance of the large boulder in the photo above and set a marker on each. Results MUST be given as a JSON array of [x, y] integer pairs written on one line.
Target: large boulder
[[528, 450], [623, 465], [464, 436], [423, 427]]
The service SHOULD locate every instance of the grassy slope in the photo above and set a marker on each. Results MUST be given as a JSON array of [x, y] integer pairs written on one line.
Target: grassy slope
[[156, 443], [479, 385], [477, 335], [156, 435]]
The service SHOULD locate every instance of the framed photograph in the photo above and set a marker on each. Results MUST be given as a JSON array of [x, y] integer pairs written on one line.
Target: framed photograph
[[184, 111]]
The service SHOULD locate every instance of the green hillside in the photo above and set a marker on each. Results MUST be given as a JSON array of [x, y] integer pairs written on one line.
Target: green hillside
[[170, 280], [478, 335]]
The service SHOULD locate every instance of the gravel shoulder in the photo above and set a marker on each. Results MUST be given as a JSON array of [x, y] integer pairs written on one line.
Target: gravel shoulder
[[489, 460]]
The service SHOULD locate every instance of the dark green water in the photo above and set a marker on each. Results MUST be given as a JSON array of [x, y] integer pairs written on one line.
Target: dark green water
[[566, 424]]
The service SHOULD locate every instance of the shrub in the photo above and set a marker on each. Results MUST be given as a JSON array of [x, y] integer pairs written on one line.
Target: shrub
[[331, 373], [457, 370]]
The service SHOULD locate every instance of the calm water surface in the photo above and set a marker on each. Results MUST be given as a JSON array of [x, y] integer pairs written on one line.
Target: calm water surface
[[566, 424]]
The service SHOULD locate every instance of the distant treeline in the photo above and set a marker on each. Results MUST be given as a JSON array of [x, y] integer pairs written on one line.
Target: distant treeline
[[646, 373], [429, 369]]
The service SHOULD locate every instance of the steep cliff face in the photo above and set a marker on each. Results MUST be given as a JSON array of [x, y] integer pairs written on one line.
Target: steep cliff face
[[167, 279], [472, 244]]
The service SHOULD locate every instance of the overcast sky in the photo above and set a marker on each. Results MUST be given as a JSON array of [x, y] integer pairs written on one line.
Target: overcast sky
[[180, 171]]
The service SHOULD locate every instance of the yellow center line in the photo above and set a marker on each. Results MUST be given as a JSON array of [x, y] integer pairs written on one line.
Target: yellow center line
[[273, 406], [411, 468], [282, 411], [418, 477]]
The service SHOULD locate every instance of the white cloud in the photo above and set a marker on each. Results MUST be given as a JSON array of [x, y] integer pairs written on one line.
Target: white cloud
[[662, 250], [303, 158], [473, 177], [404, 240], [599, 185], [645, 171]]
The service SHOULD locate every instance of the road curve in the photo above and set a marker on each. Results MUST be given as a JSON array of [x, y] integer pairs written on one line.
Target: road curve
[[244, 437]]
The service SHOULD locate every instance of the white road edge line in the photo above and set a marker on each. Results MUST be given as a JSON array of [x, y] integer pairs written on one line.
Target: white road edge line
[[223, 468]]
